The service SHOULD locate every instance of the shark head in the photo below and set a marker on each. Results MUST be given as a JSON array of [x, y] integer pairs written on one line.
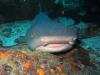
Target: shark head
[[50, 36]]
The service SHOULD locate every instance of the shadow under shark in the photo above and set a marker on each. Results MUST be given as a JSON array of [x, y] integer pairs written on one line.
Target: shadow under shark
[[50, 36]]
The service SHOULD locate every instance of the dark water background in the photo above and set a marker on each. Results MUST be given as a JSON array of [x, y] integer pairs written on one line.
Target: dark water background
[[12, 10]]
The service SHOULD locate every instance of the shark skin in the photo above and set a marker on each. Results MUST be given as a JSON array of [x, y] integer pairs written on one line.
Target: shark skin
[[50, 36]]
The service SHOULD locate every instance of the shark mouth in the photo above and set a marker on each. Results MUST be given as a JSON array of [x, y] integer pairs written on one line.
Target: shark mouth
[[55, 44], [54, 47]]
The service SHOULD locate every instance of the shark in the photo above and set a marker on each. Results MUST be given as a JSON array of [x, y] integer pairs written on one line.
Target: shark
[[48, 35]]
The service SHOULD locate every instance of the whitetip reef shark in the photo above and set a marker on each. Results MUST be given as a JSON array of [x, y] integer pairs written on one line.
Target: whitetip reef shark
[[50, 36]]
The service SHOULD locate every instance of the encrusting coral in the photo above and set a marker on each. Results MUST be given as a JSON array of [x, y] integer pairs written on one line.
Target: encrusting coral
[[20, 62]]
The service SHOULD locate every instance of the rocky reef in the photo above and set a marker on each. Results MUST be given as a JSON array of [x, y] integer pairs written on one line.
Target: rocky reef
[[21, 61]]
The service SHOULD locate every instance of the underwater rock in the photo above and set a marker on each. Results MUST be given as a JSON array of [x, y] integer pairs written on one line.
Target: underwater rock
[[9, 32], [5, 31], [87, 71], [22, 61], [1, 44], [92, 45], [92, 30], [82, 27], [15, 63]]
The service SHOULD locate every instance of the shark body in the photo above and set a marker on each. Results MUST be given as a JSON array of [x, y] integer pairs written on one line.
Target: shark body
[[50, 36]]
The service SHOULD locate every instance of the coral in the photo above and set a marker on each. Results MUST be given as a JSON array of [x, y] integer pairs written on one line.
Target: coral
[[9, 32], [19, 60], [20, 40], [6, 32], [92, 45], [20, 63]]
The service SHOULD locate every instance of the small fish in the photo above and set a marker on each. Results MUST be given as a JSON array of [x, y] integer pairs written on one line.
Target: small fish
[[50, 36]]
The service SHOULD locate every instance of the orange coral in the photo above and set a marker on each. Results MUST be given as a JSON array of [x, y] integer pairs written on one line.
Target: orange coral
[[64, 74], [41, 71], [27, 65], [4, 54], [31, 64], [59, 68]]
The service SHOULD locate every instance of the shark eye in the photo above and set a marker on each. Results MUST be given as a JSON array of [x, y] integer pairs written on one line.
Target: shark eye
[[73, 39], [71, 42]]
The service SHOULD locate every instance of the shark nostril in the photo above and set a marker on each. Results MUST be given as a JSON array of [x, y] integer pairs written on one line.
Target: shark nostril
[[45, 44]]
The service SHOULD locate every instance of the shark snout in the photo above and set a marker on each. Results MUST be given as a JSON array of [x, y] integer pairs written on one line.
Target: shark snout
[[57, 40], [55, 43]]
